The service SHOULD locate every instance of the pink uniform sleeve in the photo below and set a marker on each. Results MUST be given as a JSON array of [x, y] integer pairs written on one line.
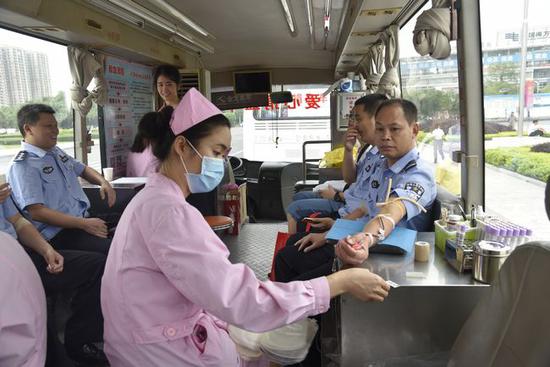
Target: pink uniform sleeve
[[194, 260]]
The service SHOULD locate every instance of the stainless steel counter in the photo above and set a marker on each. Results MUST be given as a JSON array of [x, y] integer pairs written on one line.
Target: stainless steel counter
[[422, 316]]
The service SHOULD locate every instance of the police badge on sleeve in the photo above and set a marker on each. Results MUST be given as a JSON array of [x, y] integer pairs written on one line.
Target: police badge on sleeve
[[414, 190]]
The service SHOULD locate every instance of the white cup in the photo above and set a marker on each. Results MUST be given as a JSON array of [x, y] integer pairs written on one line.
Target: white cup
[[2, 179], [108, 173]]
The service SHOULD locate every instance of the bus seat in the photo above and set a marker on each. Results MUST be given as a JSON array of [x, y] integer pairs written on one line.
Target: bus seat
[[510, 326], [424, 222]]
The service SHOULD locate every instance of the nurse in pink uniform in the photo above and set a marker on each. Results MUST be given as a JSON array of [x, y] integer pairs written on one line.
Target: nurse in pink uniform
[[141, 161], [22, 308], [169, 290]]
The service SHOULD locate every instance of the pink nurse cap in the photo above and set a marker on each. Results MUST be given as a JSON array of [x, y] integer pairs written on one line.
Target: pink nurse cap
[[192, 109]]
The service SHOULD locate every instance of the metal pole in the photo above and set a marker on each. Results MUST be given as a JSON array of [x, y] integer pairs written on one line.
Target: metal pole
[[524, 33], [470, 82]]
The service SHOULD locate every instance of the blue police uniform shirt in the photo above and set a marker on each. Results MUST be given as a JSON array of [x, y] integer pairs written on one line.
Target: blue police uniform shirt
[[7, 210], [356, 193], [411, 177], [50, 178]]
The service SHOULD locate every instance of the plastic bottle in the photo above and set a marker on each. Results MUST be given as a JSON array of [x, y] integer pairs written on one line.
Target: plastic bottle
[[345, 85], [460, 233], [528, 235], [356, 83]]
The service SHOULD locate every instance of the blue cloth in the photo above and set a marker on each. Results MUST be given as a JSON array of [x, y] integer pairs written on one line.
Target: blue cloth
[[411, 177], [7, 210], [50, 178]]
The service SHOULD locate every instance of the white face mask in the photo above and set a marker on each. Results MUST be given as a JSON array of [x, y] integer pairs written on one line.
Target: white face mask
[[212, 171]]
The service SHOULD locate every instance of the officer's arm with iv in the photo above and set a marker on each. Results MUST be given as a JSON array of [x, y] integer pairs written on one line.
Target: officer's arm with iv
[[354, 250]]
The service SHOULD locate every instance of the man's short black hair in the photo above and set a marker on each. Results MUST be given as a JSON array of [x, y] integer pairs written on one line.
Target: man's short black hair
[[409, 109], [370, 102], [30, 114]]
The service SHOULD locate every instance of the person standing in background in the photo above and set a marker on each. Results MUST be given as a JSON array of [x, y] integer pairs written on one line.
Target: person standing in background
[[167, 81], [438, 135]]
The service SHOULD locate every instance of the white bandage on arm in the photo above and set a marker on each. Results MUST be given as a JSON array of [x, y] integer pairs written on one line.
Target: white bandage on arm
[[20, 223]]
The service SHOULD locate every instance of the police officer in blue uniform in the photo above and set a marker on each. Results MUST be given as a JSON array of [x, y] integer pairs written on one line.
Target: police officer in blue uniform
[[411, 180], [62, 271], [45, 185], [341, 204]]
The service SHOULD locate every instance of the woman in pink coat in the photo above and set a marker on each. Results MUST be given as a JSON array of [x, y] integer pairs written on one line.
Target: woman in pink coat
[[169, 291], [22, 308], [141, 161]]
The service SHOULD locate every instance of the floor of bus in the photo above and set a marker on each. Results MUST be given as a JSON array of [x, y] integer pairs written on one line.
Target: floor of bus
[[253, 246]]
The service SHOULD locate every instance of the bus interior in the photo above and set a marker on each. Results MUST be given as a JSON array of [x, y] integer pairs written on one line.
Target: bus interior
[[246, 56]]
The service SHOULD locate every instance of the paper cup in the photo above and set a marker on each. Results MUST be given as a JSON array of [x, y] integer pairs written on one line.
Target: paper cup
[[108, 173]]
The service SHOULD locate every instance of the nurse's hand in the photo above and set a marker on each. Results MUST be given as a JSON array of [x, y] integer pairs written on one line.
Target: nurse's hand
[[360, 283], [353, 250], [311, 242], [366, 286], [94, 226], [5, 192], [107, 189]]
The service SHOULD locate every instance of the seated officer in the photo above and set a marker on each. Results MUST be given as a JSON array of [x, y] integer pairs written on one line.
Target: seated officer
[[63, 271], [331, 202], [401, 186], [45, 185]]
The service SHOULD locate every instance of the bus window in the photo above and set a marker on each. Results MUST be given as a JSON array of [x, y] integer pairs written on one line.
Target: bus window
[[32, 71], [276, 132], [517, 163], [433, 87]]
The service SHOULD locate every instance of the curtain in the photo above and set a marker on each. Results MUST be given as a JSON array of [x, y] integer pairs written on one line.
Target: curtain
[[86, 67], [389, 82], [432, 31]]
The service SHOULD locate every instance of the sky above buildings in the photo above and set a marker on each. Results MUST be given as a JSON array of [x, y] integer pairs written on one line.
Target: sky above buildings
[[497, 16]]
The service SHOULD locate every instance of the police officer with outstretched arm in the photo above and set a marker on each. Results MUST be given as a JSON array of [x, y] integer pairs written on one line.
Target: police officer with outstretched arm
[[45, 185]]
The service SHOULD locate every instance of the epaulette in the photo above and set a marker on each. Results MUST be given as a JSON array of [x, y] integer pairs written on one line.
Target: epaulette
[[21, 156], [409, 165]]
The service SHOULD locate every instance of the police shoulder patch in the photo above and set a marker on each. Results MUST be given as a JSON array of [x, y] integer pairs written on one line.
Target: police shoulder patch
[[63, 158], [47, 169], [21, 156], [414, 190], [409, 165]]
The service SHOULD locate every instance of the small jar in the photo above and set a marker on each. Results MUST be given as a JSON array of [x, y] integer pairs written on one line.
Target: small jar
[[452, 222], [488, 258]]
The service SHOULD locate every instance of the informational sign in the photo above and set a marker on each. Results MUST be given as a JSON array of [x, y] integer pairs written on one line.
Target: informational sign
[[130, 96], [345, 103], [231, 101]]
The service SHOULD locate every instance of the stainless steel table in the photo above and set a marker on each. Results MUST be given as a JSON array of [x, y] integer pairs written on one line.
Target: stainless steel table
[[422, 316]]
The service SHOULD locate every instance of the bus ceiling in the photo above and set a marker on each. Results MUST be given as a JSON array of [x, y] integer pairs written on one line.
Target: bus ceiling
[[310, 41]]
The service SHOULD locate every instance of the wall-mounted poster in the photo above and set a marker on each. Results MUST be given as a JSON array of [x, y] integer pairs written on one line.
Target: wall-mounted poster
[[130, 96]]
